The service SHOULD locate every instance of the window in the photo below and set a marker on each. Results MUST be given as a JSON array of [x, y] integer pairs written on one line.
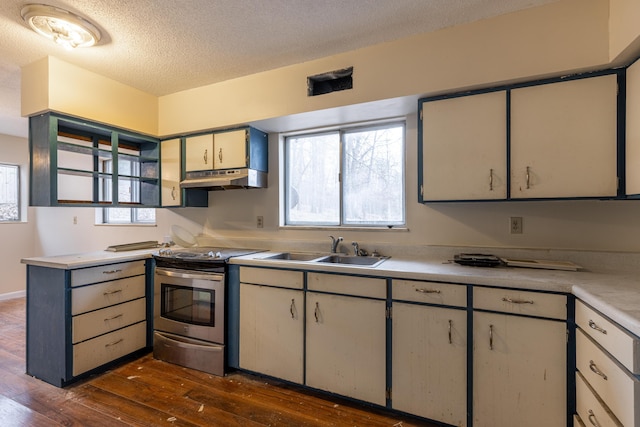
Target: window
[[347, 177], [9, 193], [128, 192]]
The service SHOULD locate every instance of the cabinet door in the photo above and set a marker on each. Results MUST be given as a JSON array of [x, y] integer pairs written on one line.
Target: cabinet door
[[632, 155], [563, 139], [230, 150], [345, 346], [199, 153], [271, 331], [170, 167], [519, 371], [464, 148], [430, 362]]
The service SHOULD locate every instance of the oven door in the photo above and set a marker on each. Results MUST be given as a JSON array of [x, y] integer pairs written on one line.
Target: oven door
[[189, 303]]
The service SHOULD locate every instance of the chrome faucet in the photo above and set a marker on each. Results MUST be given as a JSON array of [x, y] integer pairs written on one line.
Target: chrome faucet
[[334, 244], [357, 251]]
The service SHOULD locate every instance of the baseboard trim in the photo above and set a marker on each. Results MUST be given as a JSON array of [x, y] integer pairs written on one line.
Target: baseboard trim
[[13, 295]]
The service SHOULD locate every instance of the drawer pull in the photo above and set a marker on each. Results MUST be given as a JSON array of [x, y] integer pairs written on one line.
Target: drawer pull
[[292, 307], [114, 343], [593, 325], [595, 370], [112, 292], [592, 419], [450, 338], [316, 312], [490, 337], [428, 291], [111, 271], [517, 301], [113, 318]]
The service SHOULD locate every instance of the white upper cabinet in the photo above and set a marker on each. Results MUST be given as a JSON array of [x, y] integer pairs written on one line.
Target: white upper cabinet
[[633, 130], [464, 148], [170, 173], [199, 152], [224, 150], [564, 139]]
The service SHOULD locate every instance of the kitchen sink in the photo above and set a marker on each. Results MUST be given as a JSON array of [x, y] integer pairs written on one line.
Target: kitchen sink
[[295, 256], [365, 261]]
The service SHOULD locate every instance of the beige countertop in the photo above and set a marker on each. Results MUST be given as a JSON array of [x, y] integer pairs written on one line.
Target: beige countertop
[[88, 259]]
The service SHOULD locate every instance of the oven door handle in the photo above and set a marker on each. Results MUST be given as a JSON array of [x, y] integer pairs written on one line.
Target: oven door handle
[[188, 274]]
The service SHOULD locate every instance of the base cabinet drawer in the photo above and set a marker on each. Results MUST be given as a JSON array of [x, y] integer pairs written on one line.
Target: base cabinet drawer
[[618, 389], [94, 297], [103, 273], [89, 325], [106, 348], [590, 408], [524, 303]]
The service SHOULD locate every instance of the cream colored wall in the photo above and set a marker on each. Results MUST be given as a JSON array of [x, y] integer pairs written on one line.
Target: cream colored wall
[[52, 84], [17, 238], [557, 38], [624, 34]]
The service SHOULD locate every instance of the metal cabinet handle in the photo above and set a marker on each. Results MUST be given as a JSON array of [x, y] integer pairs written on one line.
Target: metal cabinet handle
[[528, 177], [316, 312], [292, 307], [594, 368], [517, 301], [114, 343], [111, 271], [490, 179], [593, 325], [428, 291], [220, 155], [592, 419], [450, 337], [111, 292], [490, 337], [206, 152], [173, 192], [113, 318]]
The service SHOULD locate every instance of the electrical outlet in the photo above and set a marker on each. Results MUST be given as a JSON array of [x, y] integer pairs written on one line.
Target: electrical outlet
[[260, 221], [515, 225], [75, 220]]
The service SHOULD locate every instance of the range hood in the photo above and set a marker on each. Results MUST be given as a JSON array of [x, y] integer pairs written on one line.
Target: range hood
[[225, 179]]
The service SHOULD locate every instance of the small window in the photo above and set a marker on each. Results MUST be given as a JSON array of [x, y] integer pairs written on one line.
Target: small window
[[347, 177], [9, 193]]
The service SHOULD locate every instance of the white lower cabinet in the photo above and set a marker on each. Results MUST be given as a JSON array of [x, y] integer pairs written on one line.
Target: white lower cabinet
[[271, 331], [519, 371], [345, 346], [429, 367]]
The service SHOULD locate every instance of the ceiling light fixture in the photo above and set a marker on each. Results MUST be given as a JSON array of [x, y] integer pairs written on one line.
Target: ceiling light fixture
[[63, 27]]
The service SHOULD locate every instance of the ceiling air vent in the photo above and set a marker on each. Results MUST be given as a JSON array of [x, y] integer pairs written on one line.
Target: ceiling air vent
[[333, 81]]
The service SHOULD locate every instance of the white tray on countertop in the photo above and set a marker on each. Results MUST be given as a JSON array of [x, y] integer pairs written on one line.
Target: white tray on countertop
[[541, 263]]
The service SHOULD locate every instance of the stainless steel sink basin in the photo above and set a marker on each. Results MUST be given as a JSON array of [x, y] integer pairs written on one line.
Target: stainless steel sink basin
[[295, 256], [365, 261]]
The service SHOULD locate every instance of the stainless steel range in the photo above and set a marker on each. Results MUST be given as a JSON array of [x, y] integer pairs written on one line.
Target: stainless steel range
[[189, 306]]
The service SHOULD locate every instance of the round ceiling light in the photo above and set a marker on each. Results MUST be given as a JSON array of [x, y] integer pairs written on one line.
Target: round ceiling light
[[63, 27]]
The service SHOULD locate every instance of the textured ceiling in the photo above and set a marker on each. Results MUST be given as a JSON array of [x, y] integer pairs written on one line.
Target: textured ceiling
[[164, 46]]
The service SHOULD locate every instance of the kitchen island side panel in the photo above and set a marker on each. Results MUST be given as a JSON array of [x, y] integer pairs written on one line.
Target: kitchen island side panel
[[46, 324]]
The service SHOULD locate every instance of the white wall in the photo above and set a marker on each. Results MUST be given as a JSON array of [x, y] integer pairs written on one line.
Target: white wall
[[16, 238]]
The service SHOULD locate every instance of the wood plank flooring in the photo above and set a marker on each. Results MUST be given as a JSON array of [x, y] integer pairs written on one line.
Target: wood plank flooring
[[149, 392]]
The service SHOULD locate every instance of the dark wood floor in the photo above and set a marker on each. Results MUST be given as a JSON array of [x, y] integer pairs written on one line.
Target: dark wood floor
[[148, 392]]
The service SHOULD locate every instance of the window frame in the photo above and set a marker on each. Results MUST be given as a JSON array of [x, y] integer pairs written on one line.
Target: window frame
[[18, 194], [341, 131]]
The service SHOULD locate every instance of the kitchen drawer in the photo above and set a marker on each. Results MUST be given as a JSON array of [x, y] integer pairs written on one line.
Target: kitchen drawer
[[590, 408], [348, 285], [102, 273], [89, 325], [429, 292], [266, 276], [93, 297], [623, 345], [619, 390], [527, 303], [106, 348], [577, 422]]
